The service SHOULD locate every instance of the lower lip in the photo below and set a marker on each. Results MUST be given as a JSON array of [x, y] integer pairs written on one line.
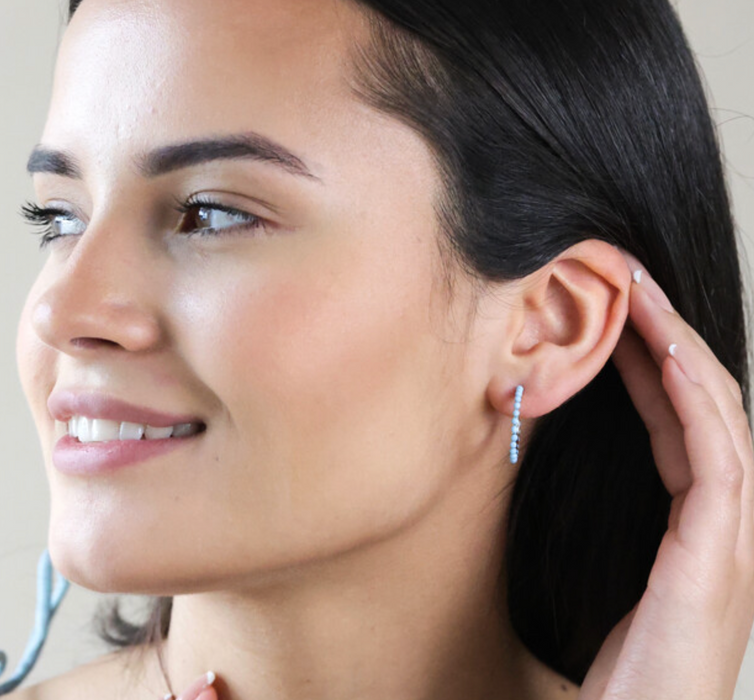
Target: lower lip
[[87, 458]]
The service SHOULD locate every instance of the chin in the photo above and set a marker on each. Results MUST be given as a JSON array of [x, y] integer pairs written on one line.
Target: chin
[[100, 562]]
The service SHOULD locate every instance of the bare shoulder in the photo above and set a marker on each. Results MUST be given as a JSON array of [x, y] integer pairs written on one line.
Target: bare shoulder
[[105, 677]]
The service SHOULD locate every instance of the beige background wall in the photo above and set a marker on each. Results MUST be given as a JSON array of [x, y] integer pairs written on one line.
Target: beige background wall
[[722, 33]]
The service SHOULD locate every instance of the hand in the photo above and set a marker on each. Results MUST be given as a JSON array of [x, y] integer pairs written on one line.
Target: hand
[[687, 636], [200, 689]]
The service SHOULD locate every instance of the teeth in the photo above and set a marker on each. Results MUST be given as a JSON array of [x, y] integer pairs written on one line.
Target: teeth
[[158, 433], [84, 428], [130, 431], [184, 429], [100, 430]]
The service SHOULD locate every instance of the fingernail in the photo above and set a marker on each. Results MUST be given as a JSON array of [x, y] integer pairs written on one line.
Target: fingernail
[[200, 684], [691, 375], [653, 289]]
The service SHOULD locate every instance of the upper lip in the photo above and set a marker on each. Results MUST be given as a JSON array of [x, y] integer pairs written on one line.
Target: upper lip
[[65, 403]]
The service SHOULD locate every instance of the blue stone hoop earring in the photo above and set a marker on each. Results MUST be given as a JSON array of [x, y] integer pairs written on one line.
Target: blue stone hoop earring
[[516, 424]]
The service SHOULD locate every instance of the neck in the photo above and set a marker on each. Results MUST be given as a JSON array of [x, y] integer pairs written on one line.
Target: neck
[[417, 615]]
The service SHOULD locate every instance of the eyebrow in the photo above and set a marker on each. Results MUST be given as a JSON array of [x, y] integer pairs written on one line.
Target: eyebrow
[[166, 159]]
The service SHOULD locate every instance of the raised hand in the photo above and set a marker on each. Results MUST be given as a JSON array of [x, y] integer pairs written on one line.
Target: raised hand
[[687, 636]]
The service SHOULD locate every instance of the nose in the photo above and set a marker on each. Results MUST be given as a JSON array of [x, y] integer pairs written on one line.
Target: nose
[[102, 292]]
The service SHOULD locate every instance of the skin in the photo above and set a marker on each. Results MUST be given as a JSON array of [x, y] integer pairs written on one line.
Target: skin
[[336, 533]]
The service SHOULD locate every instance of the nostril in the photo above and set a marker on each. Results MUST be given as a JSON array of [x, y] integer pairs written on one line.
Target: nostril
[[87, 343]]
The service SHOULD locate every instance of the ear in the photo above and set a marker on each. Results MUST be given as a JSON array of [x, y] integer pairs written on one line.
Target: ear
[[562, 324]]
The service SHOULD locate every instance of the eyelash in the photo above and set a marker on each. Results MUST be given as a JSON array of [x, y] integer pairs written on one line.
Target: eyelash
[[44, 217]]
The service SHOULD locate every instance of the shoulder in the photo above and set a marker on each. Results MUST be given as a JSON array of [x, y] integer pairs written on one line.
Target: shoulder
[[91, 681]]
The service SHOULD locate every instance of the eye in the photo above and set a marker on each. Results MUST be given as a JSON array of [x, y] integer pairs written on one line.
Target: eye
[[201, 217], [54, 222], [205, 218]]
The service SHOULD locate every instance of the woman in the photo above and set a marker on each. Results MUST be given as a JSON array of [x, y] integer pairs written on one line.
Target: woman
[[443, 303]]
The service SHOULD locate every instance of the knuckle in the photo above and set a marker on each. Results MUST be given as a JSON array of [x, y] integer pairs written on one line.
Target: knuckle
[[707, 403], [730, 475], [735, 387], [741, 426], [730, 380]]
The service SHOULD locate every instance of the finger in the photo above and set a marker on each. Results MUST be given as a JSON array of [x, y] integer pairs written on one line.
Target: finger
[[710, 520], [644, 384], [198, 688], [737, 424], [643, 381], [660, 329], [656, 292], [206, 694]]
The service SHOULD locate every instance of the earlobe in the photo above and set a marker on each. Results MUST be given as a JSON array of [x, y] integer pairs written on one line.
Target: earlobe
[[574, 310]]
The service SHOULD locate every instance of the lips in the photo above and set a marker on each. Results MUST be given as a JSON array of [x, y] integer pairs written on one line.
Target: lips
[[66, 403], [89, 459]]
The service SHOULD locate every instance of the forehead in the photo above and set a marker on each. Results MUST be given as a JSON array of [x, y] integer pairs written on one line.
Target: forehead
[[133, 72]]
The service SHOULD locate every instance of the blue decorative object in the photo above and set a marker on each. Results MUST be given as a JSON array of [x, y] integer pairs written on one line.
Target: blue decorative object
[[47, 605], [516, 424]]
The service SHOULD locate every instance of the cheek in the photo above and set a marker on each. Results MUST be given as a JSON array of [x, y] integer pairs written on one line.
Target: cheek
[[320, 355], [330, 378]]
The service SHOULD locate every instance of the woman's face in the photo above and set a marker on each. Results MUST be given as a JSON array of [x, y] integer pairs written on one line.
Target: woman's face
[[338, 397]]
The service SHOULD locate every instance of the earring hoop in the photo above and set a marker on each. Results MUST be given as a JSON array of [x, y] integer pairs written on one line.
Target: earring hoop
[[516, 424]]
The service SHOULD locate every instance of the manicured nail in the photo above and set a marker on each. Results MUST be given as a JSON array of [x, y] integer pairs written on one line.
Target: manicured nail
[[691, 375], [653, 289], [200, 684]]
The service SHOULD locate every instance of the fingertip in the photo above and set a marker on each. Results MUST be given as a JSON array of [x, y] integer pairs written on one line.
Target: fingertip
[[631, 260], [199, 688]]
